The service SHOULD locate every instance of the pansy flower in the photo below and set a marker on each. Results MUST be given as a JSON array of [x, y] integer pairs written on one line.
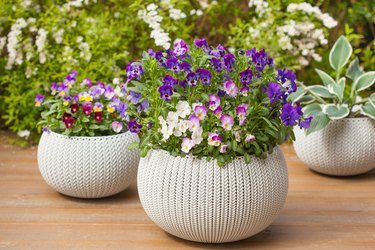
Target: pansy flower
[[214, 139], [134, 97], [169, 80], [116, 126], [63, 89], [161, 59], [200, 111], [246, 76], [214, 102], [229, 60], [84, 96], [39, 100], [250, 138], [133, 126], [230, 88], [69, 122], [241, 111], [288, 79], [244, 90], [98, 107], [289, 115], [143, 106], [200, 43], [227, 122], [87, 82], [122, 107], [87, 108], [192, 79], [179, 48], [109, 92], [218, 112], [66, 116], [185, 66], [260, 59], [98, 116], [194, 123], [223, 148], [274, 92], [74, 107], [66, 100], [204, 76], [97, 92], [54, 88], [173, 64], [216, 64], [134, 70], [166, 92], [111, 107], [100, 84], [187, 144]]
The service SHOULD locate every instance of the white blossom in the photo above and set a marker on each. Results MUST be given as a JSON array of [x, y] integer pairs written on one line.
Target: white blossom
[[24, 134], [183, 109], [176, 14], [328, 21], [59, 36]]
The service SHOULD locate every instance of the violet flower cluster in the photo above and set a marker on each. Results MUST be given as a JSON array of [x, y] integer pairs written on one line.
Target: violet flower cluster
[[208, 102], [82, 109]]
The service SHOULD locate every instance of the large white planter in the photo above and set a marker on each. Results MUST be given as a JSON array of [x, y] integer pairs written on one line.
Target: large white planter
[[345, 147], [197, 200], [88, 167]]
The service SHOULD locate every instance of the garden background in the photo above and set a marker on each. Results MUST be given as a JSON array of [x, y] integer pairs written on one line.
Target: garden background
[[40, 41]]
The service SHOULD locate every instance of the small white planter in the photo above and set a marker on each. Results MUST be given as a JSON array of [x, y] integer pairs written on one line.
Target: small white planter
[[197, 200], [345, 147], [88, 167]]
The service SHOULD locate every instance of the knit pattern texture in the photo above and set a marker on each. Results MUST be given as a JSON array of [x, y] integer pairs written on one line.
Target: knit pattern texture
[[88, 167], [343, 148], [197, 200]]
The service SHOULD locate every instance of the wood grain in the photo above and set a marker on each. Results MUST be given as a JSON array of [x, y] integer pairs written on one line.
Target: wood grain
[[321, 212]]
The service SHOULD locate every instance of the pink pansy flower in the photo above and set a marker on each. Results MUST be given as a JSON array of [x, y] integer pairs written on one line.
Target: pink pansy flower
[[230, 88], [200, 112], [223, 148], [116, 126], [214, 102], [187, 144], [214, 139], [250, 138], [218, 112], [227, 122], [241, 111], [193, 123]]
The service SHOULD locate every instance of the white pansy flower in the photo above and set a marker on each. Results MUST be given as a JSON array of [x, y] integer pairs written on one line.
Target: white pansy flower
[[172, 118], [183, 109], [24, 134], [197, 135]]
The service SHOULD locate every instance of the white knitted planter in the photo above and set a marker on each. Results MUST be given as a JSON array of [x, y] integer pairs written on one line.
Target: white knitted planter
[[345, 147], [197, 200], [88, 167]]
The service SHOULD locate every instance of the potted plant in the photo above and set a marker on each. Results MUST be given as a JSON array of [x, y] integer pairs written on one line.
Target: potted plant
[[340, 140], [209, 123], [83, 151]]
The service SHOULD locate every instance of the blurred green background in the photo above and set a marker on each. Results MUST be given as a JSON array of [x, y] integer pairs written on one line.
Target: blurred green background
[[40, 41]]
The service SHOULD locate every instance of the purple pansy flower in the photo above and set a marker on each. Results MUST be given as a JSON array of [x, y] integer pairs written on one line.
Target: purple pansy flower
[[250, 138], [194, 123], [39, 100], [241, 111], [134, 97], [63, 89], [214, 102], [200, 112], [111, 107], [305, 123], [66, 100], [246, 76], [54, 88], [187, 144], [116, 126], [200, 43], [230, 88], [289, 115], [134, 71], [204, 76], [109, 92], [192, 79], [173, 64], [133, 126], [121, 108], [227, 122], [185, 66], [244, 90], [179, 48], [166, 92], [97, 92], [260, 59], [229, 60], [98, 107], [221, 92], [223, 148], [274, 92], [217, 64], [87, 82], [288, 79], [100, 84], [143, 106], [218, 112], [214, 139], [169, 81], [161, 59], [87, 108]]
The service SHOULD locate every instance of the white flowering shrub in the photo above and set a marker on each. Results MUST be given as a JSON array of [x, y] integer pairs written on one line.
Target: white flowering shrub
[[292, 31]]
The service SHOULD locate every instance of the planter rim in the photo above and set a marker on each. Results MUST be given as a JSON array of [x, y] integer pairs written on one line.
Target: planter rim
[[353, 118], [192, 157], [86, 137]]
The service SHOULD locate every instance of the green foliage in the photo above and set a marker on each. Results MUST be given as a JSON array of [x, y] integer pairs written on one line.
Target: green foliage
[[338, 99]]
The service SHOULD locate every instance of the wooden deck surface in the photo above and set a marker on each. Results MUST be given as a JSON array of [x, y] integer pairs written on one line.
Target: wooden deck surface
[[321, 212]]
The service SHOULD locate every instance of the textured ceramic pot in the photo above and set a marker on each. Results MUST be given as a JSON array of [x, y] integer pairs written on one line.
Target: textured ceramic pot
[[197, 200], [88, 167], [345, 147]]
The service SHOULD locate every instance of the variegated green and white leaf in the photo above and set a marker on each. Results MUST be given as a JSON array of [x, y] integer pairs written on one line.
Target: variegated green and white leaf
[[368, 110], [338, 89], [307, 99], [354, 70], [372, 99], [336, 112], [320, 91], [327, 79], [296, 96], [312, 109], [364, 81], [340, 53], [319, 122]]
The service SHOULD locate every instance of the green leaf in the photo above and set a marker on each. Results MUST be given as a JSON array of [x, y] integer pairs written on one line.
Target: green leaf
[[340, 53], [372, 99], [247, 158], [327, 79], [133, 145], [364, 81], [312, 110], [319, 122], [139, 85], [336, 112], [368, 110], [45, 114], [307, 99], [320, 91], [338, 89], [354, 70], [77, 129]]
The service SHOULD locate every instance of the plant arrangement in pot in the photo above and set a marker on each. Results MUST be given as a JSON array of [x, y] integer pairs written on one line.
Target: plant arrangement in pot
[[83, 151], [209, 123], [340, 140]]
